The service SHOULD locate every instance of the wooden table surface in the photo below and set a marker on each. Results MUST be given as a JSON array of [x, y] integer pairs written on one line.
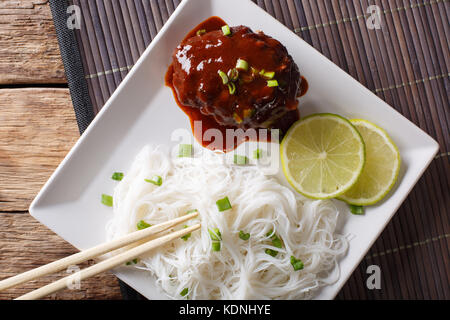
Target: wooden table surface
[[37, 129]]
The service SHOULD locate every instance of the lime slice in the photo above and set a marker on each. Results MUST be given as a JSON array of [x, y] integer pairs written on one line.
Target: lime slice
[[381, 170], [322, 156]]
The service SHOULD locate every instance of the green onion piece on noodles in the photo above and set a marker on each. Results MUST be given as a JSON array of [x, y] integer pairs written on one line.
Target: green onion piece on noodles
[[185, 151], [240, 160], [297, 264], [184, 292], [156, 180], [223, 204], [244, 236], [141, 225]]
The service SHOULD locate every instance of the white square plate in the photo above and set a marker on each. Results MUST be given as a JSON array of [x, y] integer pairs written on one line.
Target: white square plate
[[143, 111]]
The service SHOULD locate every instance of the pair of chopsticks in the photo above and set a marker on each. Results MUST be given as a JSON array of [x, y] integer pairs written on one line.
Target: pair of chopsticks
[[99, 250]]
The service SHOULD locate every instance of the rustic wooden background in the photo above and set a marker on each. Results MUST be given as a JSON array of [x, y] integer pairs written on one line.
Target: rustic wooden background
[[37, 129]]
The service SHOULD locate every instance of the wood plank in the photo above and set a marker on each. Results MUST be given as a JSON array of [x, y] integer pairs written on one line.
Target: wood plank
[[29, 51], [26, 244], [37, 129]]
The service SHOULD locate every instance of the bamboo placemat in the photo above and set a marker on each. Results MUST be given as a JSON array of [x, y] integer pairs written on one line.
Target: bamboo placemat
[[406, 63]]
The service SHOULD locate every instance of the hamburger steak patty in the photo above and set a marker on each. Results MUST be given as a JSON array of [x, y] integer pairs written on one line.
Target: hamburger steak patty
[[255, 102]]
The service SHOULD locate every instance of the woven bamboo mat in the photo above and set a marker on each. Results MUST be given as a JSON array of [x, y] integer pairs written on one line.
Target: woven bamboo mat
[[406, 63]]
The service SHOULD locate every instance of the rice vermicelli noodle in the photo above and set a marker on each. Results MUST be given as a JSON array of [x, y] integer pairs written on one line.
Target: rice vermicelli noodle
[[261, 207]]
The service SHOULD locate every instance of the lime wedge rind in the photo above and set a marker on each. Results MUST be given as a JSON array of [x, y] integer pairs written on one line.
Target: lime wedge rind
[[395, 168]]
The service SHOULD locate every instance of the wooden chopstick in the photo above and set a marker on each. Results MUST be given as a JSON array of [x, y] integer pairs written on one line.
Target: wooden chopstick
[[107, 264], [93, 252]]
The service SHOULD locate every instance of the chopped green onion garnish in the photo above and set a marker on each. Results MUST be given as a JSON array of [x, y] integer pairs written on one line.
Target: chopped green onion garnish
[[184, 292], [216, 237], [272, 83], [261, 73], [270, 234], [240, 160], [192, 211], [141, 225], [297, 263], [107, 200], [224, 76], [223, 204], [233, 74], [118, 176], [242, 65], [200, 32], [271, 252], [186, 237], [156, 180], [185, 151], [226, 30], [134, 261], [215, 234], [231, 88], [357, 210], [269, 75], [244, 236], [276, 242], [257, 154], [216, 246]]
